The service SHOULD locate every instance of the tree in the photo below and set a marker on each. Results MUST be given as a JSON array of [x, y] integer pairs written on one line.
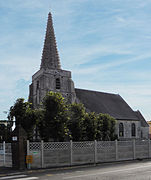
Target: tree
[[99, 125], [5, 132], [113, 136], [39, 116], [90, 126], [76, 121], [2, 132], [24, 115], [53, 124], [58, 121], [105, 127]]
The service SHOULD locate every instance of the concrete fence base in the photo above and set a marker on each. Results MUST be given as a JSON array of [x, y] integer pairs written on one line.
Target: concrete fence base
[[57, 154]]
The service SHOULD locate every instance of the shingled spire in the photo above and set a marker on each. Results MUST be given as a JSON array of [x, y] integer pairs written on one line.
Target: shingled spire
[[50, 57]]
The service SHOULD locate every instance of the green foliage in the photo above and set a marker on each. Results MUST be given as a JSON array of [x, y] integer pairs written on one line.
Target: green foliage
[[2, 132], [53, 124], [5, 131], [58, 121], [76, 121], [24, 115], [90, 126], [105, 127], [17, 110]]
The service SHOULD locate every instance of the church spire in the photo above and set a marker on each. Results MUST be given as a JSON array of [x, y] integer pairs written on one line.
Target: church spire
[[50, 57]]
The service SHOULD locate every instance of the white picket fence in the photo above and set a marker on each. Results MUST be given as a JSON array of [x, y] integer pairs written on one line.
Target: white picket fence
[[55, 154], [5, 155]]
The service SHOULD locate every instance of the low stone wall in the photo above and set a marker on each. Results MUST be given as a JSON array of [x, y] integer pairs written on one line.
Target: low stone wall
[[55, 154]]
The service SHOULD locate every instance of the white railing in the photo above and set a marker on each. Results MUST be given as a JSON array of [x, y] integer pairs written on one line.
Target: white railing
[[5, 154]]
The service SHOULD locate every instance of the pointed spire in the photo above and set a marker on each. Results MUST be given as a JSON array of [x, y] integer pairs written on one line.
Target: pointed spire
[[50, 57]]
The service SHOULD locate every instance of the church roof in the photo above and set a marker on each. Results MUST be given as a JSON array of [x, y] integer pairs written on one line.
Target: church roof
[[50, 57], [142, 119], [100, 102]]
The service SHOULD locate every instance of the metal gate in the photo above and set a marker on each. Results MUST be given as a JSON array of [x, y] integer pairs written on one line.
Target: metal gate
[[5, 155]]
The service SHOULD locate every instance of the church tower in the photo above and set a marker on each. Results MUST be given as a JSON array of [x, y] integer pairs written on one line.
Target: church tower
[[51, 77]]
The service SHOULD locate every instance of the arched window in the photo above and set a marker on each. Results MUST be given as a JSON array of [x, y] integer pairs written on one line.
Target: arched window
[[141, 134], [121, 130], [37, 84], [57, 83], [133, 129]]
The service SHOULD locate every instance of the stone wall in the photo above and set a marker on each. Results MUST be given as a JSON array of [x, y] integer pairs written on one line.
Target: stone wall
[[45, 80], [141, 132], [144, 132]]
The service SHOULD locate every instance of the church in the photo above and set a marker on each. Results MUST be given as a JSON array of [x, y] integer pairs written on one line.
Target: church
[[50, 77]]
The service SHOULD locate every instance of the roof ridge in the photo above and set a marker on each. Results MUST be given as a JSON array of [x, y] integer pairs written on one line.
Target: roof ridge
[[97, 91], [102, 102]]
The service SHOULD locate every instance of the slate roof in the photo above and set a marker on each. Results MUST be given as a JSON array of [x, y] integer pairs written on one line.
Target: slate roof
[[142, 119], [100, 102]]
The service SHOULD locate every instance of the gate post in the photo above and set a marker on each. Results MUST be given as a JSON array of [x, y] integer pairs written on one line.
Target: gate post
[[19, 148]]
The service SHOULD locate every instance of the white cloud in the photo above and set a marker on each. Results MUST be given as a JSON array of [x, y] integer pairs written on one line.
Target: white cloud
[[86, 31]]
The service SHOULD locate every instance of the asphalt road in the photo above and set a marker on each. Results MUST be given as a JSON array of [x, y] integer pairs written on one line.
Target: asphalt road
[[134, 170]]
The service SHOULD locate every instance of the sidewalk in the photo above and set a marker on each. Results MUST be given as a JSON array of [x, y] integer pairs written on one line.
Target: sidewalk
[[4, 171], [8, 170]]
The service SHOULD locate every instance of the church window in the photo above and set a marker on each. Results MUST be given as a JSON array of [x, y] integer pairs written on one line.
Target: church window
[[133, 129], [57, 83], [37, 84], [121, 130], [141, 134]]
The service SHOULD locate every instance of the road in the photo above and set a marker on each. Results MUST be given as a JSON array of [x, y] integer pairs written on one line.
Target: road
[[134, 170]]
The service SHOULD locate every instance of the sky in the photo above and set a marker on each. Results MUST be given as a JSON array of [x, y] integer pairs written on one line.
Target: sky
[[106, 44]]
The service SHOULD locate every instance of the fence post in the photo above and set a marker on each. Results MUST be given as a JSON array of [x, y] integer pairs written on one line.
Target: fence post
[[116, 150], [134, 149], [28, 164], [27, 147], [148, 148], [95, 151], [4, 151], [42, 153], [71, 152]]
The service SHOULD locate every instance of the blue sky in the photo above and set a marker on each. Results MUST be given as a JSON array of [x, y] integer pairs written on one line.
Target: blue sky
[[105, 43]]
